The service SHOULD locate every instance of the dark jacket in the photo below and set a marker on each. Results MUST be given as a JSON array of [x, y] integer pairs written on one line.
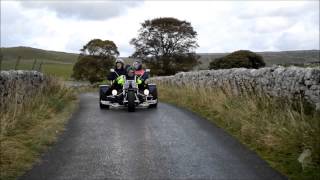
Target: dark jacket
[[113, 75]]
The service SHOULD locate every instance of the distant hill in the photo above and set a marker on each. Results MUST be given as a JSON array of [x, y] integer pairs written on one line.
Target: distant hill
[[28, 53], [298, 57]]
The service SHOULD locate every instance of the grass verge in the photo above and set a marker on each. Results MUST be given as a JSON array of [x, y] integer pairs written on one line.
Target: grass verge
[[30, 124], [276, 129]]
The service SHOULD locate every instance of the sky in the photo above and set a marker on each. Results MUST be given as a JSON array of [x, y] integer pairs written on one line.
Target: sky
[[222, 26]]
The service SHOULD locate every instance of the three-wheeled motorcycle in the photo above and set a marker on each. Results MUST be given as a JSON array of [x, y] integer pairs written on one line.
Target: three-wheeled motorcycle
[[131, 95]]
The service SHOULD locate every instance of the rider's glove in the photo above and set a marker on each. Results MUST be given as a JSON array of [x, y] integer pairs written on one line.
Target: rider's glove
[[120, 80], [139, 81]]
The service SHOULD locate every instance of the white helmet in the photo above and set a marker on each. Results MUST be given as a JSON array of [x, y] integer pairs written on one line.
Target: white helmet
[[137, 64], [119, 60]]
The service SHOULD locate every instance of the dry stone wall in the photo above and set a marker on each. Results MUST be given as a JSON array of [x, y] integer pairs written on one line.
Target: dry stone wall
[[291, 82], [19, 83]]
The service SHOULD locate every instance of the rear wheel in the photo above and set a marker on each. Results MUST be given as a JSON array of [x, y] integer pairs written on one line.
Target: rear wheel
[[131, 103]]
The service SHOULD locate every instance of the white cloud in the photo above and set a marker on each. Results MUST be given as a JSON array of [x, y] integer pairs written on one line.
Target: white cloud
[[222, 26], [88, 10]]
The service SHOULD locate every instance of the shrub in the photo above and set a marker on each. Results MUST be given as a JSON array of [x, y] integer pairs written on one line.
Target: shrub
[[92, 68], [173, 64], [238, 59], [96, 57]]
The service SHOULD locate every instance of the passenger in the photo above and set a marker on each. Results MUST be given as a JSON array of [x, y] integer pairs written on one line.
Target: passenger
[[141, 74], [139, 71]]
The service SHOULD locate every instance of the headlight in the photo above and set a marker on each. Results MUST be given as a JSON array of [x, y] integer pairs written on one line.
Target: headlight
[[114, 92], [146, 92]]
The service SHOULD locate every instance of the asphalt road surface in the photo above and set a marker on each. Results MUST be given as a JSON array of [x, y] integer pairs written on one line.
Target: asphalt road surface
[[163, 143]]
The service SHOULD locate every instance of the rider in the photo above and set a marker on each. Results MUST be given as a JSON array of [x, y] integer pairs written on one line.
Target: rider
[[117, 75]]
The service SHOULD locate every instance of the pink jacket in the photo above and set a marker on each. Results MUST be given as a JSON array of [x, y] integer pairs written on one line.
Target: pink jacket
[[140, 72]]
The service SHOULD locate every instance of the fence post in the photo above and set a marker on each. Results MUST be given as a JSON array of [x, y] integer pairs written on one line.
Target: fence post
[[17, 63], [34, 64], [1, 56], [40, 66]]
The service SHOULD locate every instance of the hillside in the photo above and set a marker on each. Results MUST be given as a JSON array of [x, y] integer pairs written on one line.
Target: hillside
[[298, 57], [50, 62], [28, 53], [61, 63], [281, 57]]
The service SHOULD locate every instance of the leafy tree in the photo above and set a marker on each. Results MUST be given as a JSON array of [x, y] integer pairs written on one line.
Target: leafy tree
[[237, 59], [95, 59], [100, 48], [167, 41]]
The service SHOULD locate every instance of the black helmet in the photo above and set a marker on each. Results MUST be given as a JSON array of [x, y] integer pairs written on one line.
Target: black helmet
[[137, 65], [130, 71]]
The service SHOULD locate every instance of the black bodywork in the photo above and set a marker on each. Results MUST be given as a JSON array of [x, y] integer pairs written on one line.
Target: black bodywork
[[123, 98]]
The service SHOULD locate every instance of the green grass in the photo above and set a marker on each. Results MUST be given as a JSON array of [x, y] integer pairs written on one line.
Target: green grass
[[28, 128], [277, 129], [62, 70], [55, 63]]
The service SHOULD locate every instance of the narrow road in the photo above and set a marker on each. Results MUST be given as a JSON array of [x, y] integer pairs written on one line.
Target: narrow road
[[163, 143]]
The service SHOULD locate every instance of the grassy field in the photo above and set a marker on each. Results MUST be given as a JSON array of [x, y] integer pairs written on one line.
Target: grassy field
[[56, 61], [30, 126], [62, 70], [53, 63], [277, 129]]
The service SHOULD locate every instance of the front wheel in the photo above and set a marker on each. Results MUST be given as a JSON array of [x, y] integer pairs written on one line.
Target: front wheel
[[153, 105], [131, 104], [102, 106]]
